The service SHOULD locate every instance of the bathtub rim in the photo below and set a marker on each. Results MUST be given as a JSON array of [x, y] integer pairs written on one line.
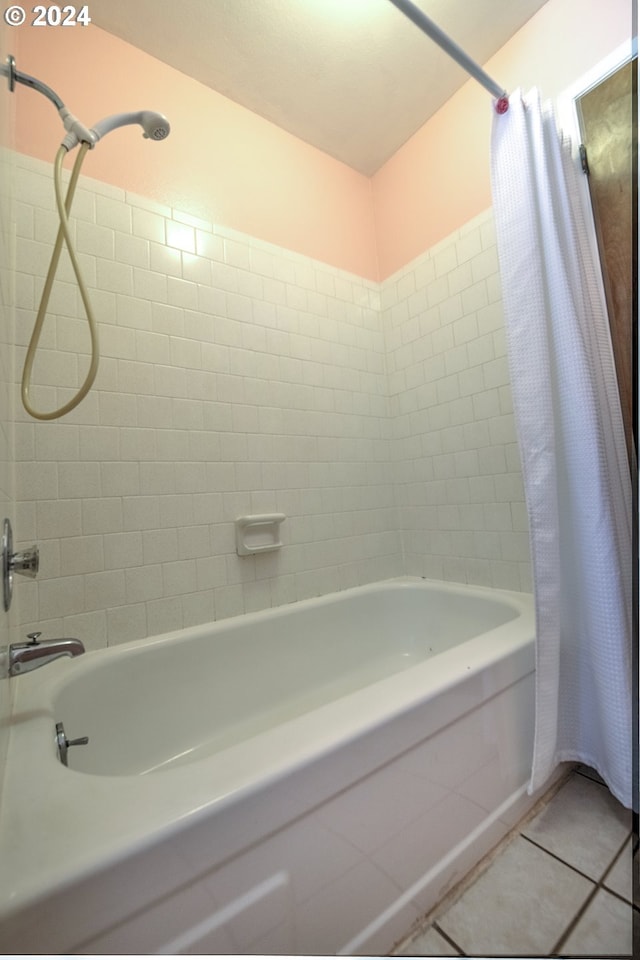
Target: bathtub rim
[[138, 831]]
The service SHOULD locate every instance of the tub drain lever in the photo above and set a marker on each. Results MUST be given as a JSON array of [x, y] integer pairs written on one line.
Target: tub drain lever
[[63, 744]]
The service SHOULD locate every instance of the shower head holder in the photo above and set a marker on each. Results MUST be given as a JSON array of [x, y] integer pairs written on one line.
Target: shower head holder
[[76, 131], [155, 125]]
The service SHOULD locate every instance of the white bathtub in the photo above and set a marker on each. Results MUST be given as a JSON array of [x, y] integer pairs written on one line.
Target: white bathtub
[[310, 779]]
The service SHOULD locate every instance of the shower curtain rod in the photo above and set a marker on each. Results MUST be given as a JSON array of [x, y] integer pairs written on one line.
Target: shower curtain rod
[[450, 47]]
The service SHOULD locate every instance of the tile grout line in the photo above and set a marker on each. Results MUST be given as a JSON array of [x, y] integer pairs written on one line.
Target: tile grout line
[[439, 909], [603, 881], [555, 856], [598, 885], [589, 776], [574, 922], [445, 936]]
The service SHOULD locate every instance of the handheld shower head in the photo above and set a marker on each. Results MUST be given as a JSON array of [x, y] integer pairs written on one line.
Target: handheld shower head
[[155, 125]]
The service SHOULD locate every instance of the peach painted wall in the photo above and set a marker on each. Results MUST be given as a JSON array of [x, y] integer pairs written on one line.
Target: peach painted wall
[[221, 163], [229, 166], [439, 179]]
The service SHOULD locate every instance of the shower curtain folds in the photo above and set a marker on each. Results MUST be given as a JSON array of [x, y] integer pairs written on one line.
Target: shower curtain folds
[[572, 448]]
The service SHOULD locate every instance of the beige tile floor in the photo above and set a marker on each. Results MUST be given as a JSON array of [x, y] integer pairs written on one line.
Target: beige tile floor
[[561, 886]]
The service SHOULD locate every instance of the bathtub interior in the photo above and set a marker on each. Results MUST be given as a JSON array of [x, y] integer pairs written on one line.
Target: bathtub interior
[[230, 681]]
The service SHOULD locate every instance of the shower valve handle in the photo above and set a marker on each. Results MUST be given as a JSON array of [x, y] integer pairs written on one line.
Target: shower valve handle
[[25, 562]]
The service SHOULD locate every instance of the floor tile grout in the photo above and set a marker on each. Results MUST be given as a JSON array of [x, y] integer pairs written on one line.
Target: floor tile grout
[[440, 911], [426, 922], [618, 896], [588, 776], [602, 880], [597, 886], [559, 859], [574, 922], [445, 936]]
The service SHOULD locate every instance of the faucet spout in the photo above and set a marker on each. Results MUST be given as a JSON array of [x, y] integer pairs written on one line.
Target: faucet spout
[[24, 657]]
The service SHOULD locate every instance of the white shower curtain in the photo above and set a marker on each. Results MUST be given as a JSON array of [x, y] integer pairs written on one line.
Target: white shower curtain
[[572, 448]]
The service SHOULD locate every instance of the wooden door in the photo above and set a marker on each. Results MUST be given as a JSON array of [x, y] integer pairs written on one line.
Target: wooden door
[[606, 115]]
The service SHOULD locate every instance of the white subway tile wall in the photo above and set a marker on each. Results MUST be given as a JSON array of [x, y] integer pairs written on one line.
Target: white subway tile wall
[[238, 377], [458, 481]]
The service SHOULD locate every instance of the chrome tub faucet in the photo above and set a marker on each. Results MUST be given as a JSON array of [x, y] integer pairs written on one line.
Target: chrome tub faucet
[[24, 657]]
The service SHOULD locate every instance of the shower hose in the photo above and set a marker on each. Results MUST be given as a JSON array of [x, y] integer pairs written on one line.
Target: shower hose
[[64, 206]]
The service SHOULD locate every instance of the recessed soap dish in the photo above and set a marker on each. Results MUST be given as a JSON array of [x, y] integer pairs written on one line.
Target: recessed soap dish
[[258, 533]]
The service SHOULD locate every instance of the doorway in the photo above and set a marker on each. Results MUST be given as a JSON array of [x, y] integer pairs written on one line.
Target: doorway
[[607, 128]]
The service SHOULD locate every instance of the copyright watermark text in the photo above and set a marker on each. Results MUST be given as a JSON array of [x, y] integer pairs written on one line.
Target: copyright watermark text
[[47, 16]]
